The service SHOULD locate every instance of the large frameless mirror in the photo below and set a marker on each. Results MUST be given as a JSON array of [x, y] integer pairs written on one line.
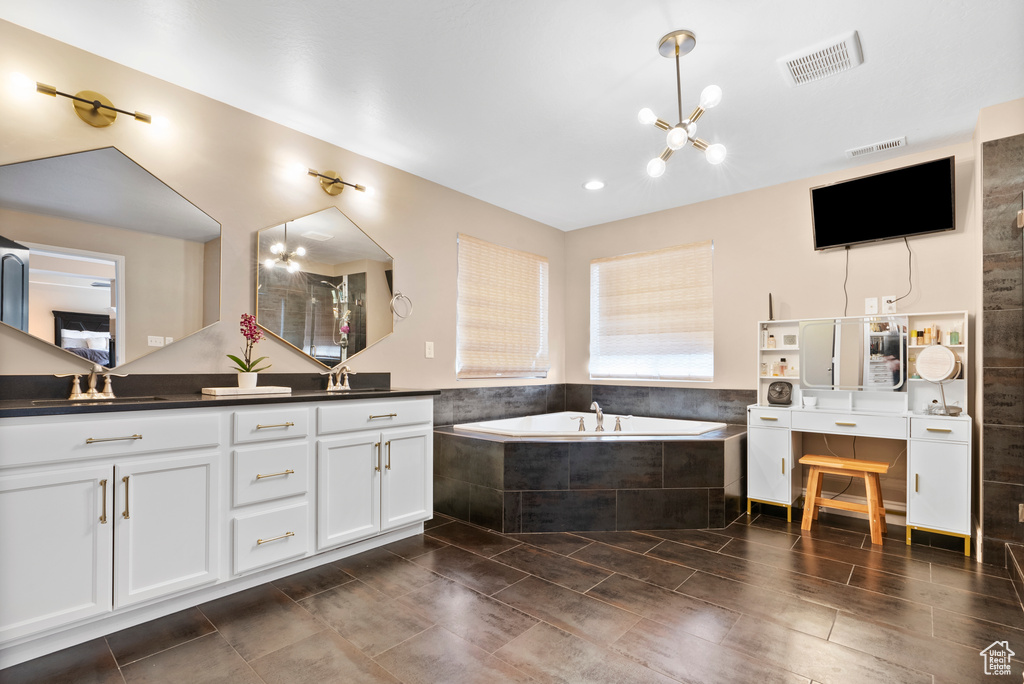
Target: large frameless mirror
[[102, 259], [323, 286]]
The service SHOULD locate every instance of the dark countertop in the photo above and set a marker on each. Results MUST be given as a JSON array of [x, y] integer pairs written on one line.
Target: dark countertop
[[50, 407]]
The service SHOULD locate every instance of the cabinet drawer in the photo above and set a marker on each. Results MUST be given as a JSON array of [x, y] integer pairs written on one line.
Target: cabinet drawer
[[270, 537], [769, 417], [271, 423], [269, 472], [99, 436], [942, 429], [373, 414], [892, 427]]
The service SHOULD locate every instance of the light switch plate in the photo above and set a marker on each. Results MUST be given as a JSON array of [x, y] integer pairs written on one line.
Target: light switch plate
[[889, 304], [428, 350], [871, 305], [156, 341]]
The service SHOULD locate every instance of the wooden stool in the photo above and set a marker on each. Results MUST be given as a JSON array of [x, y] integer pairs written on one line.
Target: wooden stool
[[833, 465]]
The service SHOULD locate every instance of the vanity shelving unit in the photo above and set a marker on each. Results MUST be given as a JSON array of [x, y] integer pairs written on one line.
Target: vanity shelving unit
[[938, 446]]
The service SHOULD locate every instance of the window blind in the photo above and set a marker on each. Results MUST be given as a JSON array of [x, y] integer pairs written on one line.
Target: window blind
[[651, 315], [502, 309]]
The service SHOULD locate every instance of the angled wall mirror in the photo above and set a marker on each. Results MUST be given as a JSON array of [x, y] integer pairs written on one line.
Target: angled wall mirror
[[102, 259], [323, 286]]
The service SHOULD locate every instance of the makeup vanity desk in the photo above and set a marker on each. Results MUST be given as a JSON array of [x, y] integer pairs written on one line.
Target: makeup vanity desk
[[938, 447]]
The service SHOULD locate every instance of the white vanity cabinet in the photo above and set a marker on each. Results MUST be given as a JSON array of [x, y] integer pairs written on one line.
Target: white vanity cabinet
[[939, 476], [772, 475], [373, 480]]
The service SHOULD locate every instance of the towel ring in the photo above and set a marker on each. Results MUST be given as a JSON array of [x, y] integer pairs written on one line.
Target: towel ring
[[407, 307]]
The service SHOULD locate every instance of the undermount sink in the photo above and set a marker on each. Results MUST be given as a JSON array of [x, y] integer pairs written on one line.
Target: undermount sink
[[94, 401]]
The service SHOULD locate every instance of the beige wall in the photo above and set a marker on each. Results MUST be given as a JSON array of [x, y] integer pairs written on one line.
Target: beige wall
[[762, 243], [237, 168]]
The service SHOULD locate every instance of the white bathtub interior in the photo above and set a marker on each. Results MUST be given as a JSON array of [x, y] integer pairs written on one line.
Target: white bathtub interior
[[566, 425]]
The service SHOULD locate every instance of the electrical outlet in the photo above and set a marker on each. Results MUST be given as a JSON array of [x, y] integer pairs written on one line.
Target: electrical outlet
[[156, 341], [889, 304], [871, 305], [428, 350]]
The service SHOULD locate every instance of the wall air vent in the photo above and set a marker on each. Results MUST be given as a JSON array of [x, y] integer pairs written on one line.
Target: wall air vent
[[314, 235], [823, 60], [877, 147]]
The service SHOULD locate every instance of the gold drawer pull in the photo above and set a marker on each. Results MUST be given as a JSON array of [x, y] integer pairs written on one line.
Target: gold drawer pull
[[768, 418], [384, 415], [783, 466], [915, 482], [388, 445], [284, 425], [103, 515], [377, 467], [939, 429], [280, 536], [94, 440], [283, 472], [845, 424], [125, 480]]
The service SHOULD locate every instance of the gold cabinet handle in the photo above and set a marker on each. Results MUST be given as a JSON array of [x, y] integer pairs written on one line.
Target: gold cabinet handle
[[95, 440], [915, 482], [931, 429], [384, 415], [103, 515], [283, 472], [845, 423], [280, 536], [284, 425], [377, 467], [768, 418], [125, 480], [388, 445], [783, 466]]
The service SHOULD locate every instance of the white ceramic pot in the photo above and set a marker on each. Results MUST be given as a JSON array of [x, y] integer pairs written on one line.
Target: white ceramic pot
[[247, 380]]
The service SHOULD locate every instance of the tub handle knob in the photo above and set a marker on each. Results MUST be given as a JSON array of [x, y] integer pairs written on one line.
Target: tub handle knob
[[579, 418], [618, 424]]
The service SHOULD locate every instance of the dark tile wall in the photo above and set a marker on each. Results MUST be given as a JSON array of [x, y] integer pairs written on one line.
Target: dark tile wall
[[1002, 347]]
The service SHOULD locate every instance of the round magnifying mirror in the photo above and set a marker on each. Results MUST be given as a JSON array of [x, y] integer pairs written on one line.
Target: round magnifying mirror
[[938, 364]]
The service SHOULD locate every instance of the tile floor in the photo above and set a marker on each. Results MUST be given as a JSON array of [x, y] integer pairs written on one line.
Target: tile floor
[[755, 602]]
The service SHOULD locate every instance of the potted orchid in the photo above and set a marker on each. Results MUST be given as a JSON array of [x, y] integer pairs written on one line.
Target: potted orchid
[[247, 366]]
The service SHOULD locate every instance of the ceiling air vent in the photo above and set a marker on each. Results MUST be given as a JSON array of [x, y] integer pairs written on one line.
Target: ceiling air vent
[[877, 147], [823, 60], [314, 235]]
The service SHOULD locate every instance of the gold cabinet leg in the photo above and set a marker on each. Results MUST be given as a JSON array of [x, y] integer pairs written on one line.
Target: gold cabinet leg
[[789, 514], [967, 546], [748, 506], [908, 535]]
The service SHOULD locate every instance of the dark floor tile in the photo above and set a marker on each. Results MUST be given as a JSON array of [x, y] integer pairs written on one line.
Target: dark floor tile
[[864, 557], [935, 656], [691, 659], [473, 539], [323, 657], [814, 657], [568, 572], [973, 632], [816, 566], [476, 572], [312, 581], [710, 541], [366, 617], [387, 572], [480, 620], [677, 611], [823, 530], [437, 656], [259, 620], [760, 535], [559, 542], [437, 521], [644, 568], [974, 581], [631, 541], [568, 610], [206, 660], [927, 554], [797, 614], [134, 643], [939, 596], [417, 545], [90, 662], [552, 656]]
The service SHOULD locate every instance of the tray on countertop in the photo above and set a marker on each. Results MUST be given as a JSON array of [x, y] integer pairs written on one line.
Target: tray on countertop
[[236, 391]]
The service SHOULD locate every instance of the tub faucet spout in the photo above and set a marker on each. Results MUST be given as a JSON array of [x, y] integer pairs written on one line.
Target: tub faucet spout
[[600, 417]]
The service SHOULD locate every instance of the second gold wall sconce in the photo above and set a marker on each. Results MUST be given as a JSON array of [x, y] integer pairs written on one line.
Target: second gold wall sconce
[[331, 182], [91, 107]]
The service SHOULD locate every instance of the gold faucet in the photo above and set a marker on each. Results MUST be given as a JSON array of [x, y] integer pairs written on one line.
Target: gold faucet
[[92, 393], [337, 378]]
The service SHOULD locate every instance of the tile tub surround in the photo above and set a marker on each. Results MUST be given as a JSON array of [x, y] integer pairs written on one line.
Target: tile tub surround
[[531, 485], [758, 601]]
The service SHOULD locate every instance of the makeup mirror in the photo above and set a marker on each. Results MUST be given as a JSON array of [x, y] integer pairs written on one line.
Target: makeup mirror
[[323, 286], [865, 354]]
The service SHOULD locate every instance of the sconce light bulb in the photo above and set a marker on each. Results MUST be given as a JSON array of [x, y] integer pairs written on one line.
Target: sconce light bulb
[[22, 84], [300, 251], [710, 97], [655, 167], [646, 116], [161, 123], [276, 248], [715, 154]]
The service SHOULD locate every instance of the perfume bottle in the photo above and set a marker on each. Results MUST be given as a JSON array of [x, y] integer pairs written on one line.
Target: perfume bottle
[[771, 342]]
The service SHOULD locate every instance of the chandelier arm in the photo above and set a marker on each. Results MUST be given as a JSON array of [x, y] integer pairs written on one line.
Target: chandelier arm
[[679, 87]]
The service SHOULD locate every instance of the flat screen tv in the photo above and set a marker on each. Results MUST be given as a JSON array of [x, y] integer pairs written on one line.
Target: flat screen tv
[[900, 203]]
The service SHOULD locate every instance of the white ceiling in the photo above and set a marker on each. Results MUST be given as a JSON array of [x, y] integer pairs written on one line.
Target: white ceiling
[[519, 103]]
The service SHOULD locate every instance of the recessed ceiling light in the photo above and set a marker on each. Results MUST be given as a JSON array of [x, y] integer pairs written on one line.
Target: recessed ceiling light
[[593, 185]]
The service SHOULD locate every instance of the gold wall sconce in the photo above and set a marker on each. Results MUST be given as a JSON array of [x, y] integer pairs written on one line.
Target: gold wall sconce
[[331, 182], [92, 107]]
